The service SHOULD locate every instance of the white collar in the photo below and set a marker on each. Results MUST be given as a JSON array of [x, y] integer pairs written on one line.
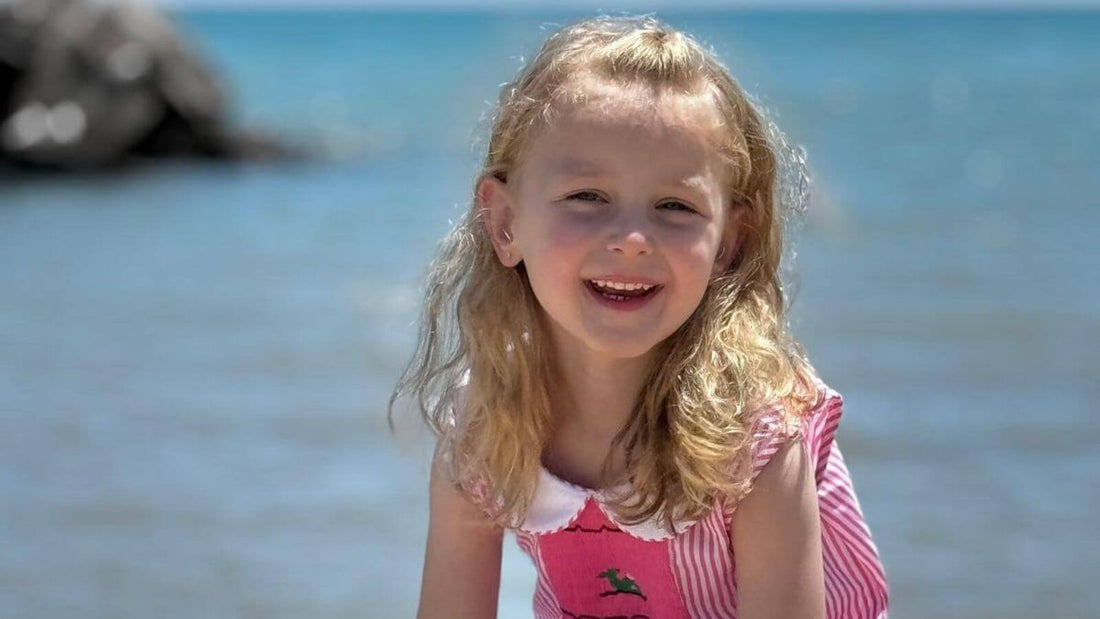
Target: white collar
[[557, 503]]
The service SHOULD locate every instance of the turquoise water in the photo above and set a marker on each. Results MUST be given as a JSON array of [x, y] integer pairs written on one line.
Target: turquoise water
[[195, 357]]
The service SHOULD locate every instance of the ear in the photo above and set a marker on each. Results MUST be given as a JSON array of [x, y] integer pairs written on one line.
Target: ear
[[731, 239], [497, 215]]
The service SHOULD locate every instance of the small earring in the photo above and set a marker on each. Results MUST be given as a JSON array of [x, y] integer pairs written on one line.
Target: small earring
[[507, 236]]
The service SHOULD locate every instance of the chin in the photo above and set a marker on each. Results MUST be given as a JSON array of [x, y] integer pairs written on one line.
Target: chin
[[626, 349]]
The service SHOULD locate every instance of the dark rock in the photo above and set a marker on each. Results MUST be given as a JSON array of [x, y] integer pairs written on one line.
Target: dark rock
[[89, 85]]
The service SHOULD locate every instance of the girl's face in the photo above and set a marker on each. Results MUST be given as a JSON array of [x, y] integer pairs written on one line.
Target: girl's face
[[624, 190]]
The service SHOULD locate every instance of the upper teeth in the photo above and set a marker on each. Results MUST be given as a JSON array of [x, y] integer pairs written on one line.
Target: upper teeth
[[621, 286]]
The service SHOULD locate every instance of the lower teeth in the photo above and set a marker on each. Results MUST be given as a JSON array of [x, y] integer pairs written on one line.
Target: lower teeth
[[621, 297], [609, 295]]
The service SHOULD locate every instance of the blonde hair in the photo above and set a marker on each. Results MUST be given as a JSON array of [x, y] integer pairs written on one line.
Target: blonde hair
[[688, 442]]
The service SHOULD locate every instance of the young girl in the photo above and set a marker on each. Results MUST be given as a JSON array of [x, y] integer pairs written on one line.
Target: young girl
[[606, 362]]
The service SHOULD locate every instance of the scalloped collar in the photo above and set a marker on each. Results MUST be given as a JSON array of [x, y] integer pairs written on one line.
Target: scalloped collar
[[557, 503]]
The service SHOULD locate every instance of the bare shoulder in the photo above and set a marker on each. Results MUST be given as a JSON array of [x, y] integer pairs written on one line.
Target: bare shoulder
[[462, 559], [776, 538]]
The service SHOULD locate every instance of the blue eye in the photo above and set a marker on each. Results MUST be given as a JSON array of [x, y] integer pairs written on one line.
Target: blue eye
[[584, 193], [685, 208]]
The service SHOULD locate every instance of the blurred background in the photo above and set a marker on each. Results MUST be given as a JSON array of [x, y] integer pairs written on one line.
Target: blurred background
[[195, 351]]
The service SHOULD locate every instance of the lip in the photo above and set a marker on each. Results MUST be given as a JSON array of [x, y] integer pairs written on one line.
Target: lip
[[630, 304]]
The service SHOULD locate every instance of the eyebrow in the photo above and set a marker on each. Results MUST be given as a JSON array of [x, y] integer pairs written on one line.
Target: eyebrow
[[569, 166]]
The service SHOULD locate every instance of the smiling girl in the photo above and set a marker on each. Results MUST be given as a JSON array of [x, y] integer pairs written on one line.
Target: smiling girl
[[606, 362]]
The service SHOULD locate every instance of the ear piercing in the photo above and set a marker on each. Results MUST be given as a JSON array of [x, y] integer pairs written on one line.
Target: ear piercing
[[508, 237]]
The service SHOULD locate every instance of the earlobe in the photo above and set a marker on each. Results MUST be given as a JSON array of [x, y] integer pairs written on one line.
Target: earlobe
[[731, 242], [497, 217], [731, 248], [722, 260]]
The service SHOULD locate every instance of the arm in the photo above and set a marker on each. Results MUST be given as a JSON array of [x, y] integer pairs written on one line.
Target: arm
[[462, 561], [776, 535]]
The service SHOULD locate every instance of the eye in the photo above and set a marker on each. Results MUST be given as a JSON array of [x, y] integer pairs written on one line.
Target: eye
[[678, 206], [585, 196]]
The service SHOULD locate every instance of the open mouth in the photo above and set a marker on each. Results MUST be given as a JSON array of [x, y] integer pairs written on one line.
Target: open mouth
[[622, 296]]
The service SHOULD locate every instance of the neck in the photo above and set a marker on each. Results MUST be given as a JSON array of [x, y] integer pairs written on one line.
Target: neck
[[593, 393]]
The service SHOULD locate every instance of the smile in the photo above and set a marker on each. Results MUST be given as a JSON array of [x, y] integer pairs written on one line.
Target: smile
[[622, 296]]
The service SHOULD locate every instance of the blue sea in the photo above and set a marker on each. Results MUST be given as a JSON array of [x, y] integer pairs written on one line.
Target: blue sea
[[195, 357]]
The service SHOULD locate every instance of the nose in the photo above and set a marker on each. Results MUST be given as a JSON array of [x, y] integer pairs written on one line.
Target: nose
[[631, 235]]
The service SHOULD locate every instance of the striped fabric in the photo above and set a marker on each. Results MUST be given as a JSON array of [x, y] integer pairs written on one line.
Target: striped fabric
[[591, 566]]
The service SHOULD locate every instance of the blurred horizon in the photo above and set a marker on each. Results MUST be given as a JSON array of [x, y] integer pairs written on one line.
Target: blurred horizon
[[639, 7]]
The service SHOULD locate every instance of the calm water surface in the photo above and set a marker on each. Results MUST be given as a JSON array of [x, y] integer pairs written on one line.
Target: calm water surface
[[195, 358]]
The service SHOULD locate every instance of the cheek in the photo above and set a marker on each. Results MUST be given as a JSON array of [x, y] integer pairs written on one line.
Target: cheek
[[554, 253], [558, 242], [694, 253], [567, 231]]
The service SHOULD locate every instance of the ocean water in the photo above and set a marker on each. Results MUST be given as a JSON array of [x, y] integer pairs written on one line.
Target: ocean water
[[194, 358]]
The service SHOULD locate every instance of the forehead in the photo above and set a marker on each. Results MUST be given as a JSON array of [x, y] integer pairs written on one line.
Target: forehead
[[636, 103], [594, 124]]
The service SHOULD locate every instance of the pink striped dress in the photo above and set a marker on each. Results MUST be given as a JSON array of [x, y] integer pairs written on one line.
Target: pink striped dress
[[593, 567]]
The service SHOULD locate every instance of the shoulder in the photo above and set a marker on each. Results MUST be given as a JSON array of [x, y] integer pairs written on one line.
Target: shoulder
[[450, 466], [776, 428], [801, 511], [452, 501], [815, 428], [783, 500], [776, 537], [462, 562]]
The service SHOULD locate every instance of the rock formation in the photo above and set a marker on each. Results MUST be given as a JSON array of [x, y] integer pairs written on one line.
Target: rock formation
[[91, 84]]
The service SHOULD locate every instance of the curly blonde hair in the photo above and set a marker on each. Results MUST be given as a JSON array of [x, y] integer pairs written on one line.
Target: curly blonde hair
[[483, 351]]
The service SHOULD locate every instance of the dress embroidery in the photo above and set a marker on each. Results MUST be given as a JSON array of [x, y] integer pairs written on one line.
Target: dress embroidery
[[625, 584], [603, 575]]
